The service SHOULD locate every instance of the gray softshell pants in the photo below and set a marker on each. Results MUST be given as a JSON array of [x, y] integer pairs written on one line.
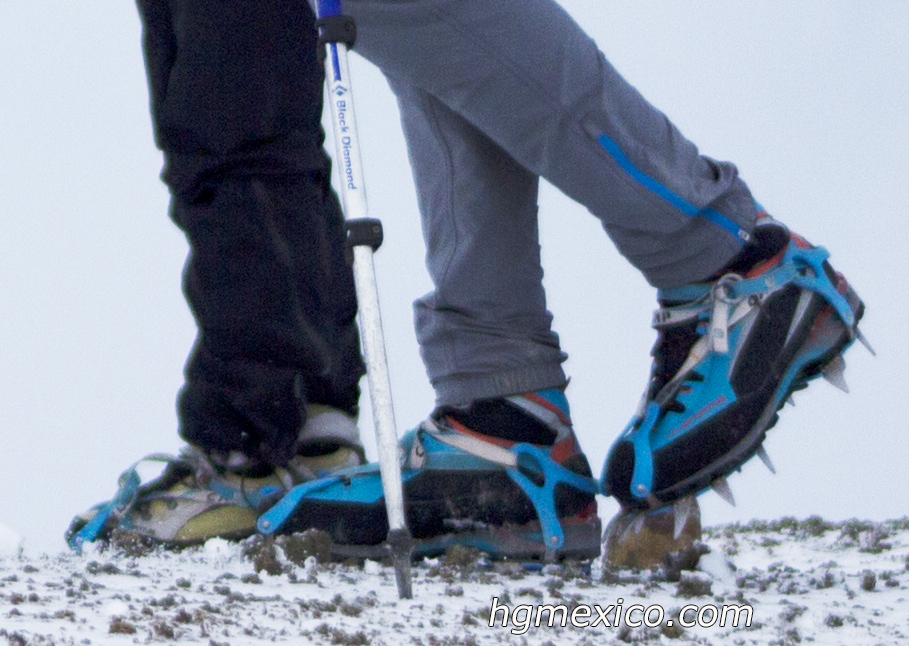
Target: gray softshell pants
[[495, 94]]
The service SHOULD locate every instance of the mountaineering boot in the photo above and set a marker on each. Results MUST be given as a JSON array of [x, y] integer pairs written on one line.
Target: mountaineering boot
[[199, 495], [506, 476], [728, 355]]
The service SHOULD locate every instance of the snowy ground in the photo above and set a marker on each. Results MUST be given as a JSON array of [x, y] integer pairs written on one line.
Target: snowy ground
[[808, 581]]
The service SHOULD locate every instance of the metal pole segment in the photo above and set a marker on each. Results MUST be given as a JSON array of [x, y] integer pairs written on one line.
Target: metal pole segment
[[379, 385], [353, 200]]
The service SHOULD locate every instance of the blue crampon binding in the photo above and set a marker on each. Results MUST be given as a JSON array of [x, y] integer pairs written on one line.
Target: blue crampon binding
[[127, 489]]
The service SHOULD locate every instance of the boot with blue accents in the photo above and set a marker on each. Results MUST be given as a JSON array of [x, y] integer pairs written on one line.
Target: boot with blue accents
[[729, 354], [184, 500], [505, 476]]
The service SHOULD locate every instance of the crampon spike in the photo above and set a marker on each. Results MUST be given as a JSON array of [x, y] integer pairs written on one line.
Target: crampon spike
[[722, 488], [833, 372], [626, 531], [638, 524], [682, 510], [790, 400], [864, 342], [762, 454]]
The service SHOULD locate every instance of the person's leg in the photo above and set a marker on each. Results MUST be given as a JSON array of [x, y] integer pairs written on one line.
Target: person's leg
[[271, 388], [484, 331], [524, 74], [486, 339], [493, 359], [236, 99]]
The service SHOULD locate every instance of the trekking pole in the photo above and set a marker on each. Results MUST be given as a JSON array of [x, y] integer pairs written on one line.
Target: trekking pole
[[338, 32]]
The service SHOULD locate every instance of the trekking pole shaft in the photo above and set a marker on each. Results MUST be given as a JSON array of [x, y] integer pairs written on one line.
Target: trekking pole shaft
[[353, 200], [379, 384], [344, 125]]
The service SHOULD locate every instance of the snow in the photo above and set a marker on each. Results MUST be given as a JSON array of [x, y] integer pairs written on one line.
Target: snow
[[808, 581]]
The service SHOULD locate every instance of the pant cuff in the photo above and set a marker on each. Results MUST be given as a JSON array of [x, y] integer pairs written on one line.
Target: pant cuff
[[459, 390]]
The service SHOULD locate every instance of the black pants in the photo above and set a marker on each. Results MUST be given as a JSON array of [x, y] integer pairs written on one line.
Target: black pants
[[236, 99]]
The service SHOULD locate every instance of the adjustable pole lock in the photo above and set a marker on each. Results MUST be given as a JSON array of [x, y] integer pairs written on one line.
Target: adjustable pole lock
[[337, 29], [364, 232]]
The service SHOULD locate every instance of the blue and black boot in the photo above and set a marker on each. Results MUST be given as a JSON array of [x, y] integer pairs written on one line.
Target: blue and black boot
[[505, 475], [729, 354]]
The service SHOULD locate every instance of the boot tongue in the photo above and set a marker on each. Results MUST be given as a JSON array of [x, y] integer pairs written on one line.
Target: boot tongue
[[768, 238]]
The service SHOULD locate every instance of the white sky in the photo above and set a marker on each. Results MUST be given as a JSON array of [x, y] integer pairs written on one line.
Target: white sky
[[809, 99]]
